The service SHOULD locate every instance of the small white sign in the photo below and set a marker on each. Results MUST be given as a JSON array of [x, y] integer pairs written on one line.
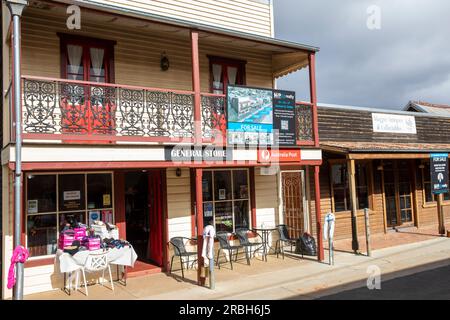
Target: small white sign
[[393, 123], [72, 195], [32, 206]]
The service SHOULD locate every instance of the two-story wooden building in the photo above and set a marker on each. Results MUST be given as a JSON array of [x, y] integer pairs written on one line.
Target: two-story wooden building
[[104, 104], [380, 159]]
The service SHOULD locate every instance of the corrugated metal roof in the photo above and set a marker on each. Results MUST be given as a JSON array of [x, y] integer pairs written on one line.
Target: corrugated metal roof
[[425, 107], [380, 110]]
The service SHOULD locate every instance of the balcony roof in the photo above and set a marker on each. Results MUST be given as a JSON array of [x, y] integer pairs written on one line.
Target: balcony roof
[[190, 25]]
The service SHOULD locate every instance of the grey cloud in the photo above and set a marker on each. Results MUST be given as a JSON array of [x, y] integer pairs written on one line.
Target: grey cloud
[[407, 59]]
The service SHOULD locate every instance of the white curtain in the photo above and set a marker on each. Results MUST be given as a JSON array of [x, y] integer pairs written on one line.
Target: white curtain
[[97, 61], [217, 75], [75, 53], [232, 72]]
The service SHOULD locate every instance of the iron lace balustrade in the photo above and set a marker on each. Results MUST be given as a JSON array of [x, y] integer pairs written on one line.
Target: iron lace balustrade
[[76, 108], [305, 123], [214, 123]]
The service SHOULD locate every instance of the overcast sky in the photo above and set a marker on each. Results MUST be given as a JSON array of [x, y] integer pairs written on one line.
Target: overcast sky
[[407, 59]]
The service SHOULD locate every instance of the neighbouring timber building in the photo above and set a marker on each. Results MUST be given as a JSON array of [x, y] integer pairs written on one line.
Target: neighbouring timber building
[[387, 156], [103, 105]]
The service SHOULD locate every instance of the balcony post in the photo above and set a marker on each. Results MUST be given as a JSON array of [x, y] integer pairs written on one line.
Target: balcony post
[[16, 8], [313, 96], [196, 88], [320, 253], [199, 221]]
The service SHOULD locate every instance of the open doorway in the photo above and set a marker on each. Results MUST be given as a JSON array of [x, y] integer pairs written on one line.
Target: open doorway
[[144, 214]]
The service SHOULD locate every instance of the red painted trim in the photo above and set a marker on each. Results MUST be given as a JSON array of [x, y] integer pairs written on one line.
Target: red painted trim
[[227, 62], [199, 207], [320, 252], [39, 262], [253, 196], [29, 166], [119, 203], [165, 211], [196, 87], [104, 138], [313, 94], [86, 43], [106, 84], [192, 182]]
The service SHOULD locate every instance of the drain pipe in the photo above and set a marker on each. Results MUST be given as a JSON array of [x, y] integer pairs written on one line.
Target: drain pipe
[[16, 8]]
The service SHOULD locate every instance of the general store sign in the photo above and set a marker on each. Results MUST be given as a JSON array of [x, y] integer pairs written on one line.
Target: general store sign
[[282, 155], [393, 123], [188, 153], [439, 172]]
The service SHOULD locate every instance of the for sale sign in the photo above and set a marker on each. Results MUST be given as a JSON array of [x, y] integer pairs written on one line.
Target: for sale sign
[[439, 172]]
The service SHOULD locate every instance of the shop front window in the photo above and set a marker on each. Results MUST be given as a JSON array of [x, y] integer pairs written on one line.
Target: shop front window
[[56, 200], [226, 199], [340, 187]]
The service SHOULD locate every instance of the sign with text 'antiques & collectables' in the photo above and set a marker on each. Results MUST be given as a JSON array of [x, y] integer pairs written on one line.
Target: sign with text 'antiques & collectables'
[[258, 116]]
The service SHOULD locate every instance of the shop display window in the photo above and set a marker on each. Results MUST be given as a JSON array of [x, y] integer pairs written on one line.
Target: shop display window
[[54, 200], [226, 199]]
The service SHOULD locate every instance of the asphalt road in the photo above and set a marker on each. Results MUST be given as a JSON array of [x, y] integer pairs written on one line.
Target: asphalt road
[[428, 285]]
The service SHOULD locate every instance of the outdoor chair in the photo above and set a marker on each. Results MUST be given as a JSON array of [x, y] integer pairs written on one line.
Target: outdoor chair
[[242, 234], [180, 251], [283, 232], [95, 262], [224, 245]]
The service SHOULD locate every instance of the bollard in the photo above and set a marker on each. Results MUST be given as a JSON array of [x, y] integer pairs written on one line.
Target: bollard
[[212, 277], [328, 234], [367, 224]]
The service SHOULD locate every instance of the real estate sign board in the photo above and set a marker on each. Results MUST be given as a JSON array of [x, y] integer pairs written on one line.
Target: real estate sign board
[[257, 116], [439, 172]]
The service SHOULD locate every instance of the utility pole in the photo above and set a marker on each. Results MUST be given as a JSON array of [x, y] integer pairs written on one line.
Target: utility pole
[[16, 8]]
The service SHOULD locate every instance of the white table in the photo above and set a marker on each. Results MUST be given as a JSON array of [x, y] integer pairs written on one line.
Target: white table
[[68, 263]]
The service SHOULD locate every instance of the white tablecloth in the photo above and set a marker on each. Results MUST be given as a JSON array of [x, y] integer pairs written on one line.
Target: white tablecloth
[[125, 256]]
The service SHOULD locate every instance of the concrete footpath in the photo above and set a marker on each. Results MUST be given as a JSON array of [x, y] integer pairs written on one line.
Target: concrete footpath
[[291, 278]]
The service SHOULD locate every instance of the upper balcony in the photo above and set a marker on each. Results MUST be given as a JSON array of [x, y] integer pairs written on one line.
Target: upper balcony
[[122, 79]]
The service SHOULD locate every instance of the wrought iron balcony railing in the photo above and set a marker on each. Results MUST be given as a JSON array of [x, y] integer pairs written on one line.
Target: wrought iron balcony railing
[[76, 110]]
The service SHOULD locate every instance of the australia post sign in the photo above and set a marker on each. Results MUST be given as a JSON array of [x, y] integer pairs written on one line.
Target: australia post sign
[[439, 172]]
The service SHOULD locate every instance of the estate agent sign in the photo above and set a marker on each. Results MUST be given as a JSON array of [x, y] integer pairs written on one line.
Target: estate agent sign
[[393, 123], [439, 172], [257, 116]]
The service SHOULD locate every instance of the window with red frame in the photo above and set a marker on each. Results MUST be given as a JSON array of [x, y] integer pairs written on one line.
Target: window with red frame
[[224, 71], [87, 59]]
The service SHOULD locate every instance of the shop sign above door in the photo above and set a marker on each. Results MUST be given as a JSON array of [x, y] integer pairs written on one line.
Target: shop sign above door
[[439, 172], [189, 153], [393, 123]]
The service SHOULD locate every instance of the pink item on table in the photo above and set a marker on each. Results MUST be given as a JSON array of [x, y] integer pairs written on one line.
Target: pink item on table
[[91, 243], [80, 233], [65, 240]]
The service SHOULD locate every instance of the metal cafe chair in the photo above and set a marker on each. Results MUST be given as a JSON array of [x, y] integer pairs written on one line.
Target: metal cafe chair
[[242, 234], [224, 245], [96, 262], [283, 232], [180, 251]]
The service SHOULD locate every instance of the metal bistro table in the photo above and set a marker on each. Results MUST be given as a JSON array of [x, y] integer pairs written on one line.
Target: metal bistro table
[[264, 232]]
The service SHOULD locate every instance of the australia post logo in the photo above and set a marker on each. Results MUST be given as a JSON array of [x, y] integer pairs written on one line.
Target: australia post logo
[[281, 155]]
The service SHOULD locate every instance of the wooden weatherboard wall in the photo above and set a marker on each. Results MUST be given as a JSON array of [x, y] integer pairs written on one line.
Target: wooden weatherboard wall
[[250, 16], [355, 125]]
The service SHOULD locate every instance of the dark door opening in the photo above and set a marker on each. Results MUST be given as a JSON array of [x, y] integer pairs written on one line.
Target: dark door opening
[[398, 193], [144, 217]]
